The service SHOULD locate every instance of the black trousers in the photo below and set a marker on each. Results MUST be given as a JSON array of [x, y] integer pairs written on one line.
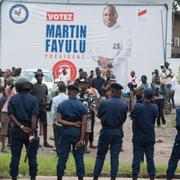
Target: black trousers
[[160, 104]]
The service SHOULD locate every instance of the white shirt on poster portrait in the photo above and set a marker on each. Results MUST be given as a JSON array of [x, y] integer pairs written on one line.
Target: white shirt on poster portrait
[[114, 48]]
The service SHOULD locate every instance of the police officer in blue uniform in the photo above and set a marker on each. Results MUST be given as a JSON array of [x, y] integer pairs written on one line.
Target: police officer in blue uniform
[[144, 116], [72, 115], [175, 155], [23, 111], [113, 113]]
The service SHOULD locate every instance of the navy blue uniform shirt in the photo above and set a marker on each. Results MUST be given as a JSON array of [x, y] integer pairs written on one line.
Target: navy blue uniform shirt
[[113, 113], [23, 106], [71, 110], [178, 123], [144, 116]]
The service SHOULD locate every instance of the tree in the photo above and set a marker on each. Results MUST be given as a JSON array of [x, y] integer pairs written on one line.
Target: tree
[[176, 4]]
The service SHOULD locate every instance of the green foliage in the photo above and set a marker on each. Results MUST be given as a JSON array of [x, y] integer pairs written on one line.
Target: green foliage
[[176, 4]]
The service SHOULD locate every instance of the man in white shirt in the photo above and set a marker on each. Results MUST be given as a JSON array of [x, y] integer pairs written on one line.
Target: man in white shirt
[[115, 48], [64, 77], [55, 102]]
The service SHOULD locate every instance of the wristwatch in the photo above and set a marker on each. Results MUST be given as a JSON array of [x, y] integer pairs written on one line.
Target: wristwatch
[[21, 127]]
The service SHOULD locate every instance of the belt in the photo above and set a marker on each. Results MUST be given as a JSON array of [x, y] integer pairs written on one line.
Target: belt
[[111, 127]]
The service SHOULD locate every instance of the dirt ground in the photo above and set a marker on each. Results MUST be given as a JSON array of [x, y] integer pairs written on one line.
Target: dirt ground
[[164, 136]]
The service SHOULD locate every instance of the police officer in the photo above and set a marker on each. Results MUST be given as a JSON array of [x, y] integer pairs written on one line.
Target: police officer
[[175, 155], [113, 113], [72, 115], [23, 111], [144, 115]]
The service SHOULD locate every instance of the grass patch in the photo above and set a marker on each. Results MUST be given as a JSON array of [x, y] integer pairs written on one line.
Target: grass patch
[[47, 167]]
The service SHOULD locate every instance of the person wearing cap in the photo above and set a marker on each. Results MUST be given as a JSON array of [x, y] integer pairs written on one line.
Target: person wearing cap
[[40, 91], [72, 115], [175, 155], [143, 117], [90, 103], [55, 102], [112, 113], [23, 111]]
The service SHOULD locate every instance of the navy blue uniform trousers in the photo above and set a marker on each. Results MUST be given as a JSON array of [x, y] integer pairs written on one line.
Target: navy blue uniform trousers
[[175, 157], [114, 142], [65, 144], [18, 139], [138, 152]]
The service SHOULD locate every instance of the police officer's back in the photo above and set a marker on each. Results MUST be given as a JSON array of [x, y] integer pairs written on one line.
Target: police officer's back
[[113, 113], [144, 115], [175, 155], [72, 115], [23, 111]]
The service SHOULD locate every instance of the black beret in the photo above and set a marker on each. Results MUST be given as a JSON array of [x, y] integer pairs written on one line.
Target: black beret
[[116, 86], [73, 87], [21, 80], [23, 83], [148, 91]]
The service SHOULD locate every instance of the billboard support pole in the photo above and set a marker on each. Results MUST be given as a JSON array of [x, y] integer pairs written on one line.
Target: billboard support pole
[[164, 34]]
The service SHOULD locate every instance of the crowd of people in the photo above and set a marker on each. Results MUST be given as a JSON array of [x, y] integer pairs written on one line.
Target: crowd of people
[[73, 113]]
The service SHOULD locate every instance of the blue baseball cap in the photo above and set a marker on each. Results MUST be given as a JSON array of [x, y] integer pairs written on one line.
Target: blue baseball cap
[[148, 91]]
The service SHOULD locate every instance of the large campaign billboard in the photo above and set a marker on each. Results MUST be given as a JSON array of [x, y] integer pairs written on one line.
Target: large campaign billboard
[[56, 36]]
